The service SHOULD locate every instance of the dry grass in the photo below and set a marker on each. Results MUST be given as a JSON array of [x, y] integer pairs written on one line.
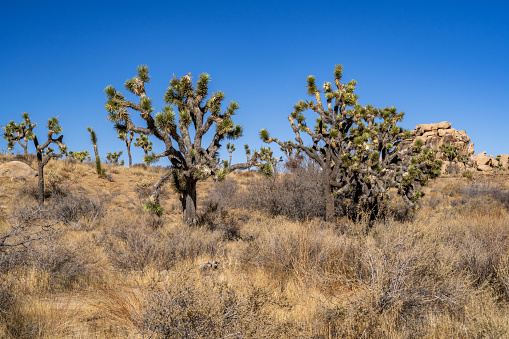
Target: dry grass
[[108, 269]]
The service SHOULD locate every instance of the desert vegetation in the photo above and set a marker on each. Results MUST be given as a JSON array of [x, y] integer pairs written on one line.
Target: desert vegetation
[[348, 236], [93, 263]]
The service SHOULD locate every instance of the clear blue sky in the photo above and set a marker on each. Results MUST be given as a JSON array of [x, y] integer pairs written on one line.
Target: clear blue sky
[[434, 60]]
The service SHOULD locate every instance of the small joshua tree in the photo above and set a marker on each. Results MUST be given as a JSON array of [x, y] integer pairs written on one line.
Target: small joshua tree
[[142, 142], [190, 160], [44, 152], [80, 156], [113, 157], [356, 148], [248, 154], [93, 138], [230, 148], [127, 137], [20, 133]]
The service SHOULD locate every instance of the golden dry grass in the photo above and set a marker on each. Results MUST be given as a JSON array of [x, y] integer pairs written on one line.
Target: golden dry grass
[[123, 273]]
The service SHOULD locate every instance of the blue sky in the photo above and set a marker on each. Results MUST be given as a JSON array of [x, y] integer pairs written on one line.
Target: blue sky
[[434, 60]]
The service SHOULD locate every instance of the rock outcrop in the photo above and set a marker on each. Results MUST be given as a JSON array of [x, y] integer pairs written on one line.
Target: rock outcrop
[[17, 169], [438, 134], [441, 133]]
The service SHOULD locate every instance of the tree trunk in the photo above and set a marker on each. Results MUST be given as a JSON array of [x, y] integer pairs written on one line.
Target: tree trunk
[[25, 146], [41, 178], [329, 198], [189, 203], [129, 153]]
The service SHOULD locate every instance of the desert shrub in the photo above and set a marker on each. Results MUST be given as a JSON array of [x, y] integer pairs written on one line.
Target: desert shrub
[[79, 208], [190, 308], [215, 218], [398, 282], [297, 195], [26, 158], [224, 194], [135, 244], [69, 266], [52, 188], [468, 174], [482, 188]]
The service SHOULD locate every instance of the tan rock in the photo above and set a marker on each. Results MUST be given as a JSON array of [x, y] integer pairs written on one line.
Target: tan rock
[[444, 125], [17, 169], [433, 127], [481, 159], [484, 168], [470, 150]]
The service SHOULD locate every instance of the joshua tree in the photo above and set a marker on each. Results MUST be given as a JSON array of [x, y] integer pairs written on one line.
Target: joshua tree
[[230, 148], [356, 148], [80, 156], [190, 161], [113, 157], [127, 137], [248, 154], [142, 142], [21, 132], [93, 138], [44, 152]]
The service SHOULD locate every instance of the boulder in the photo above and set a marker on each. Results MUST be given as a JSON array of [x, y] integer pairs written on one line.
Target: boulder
[[481, 159], [420, 129], [484, 168], [438, 134], [17, 169]]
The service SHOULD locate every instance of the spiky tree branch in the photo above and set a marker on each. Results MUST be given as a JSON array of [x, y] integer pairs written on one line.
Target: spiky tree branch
[[20, 133]]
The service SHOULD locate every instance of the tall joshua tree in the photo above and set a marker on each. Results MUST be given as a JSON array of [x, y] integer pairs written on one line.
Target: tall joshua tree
[[20, 133], [44, 152], [181, 132], [356, 147]]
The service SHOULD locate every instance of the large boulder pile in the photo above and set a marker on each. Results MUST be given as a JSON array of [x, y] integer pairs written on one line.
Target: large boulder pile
[[438, 134], [17, 169]]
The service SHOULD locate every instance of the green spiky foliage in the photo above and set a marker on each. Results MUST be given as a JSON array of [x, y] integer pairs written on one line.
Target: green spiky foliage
[[356, 147], [98, 168], [190, 113], [266, 155], [80, 156], [143, 142], [43, 151], [127, 137], [113, 157], [230, 148], [21, 133], [451, 152]]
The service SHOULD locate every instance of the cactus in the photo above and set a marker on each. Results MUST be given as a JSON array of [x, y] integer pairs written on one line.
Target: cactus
[[186, 107], [44, 152], [357, 148]]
